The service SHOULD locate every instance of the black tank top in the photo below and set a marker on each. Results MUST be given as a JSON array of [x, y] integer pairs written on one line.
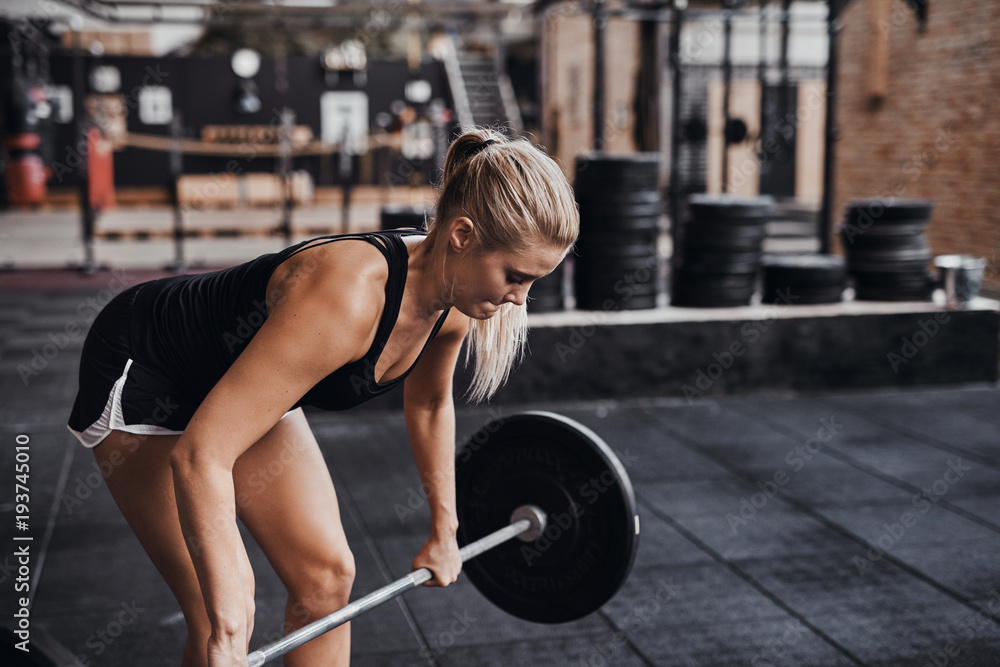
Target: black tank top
[[192, 328]]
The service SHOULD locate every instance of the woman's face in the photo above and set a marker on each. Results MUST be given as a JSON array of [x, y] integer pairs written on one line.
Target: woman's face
[[484, 280]]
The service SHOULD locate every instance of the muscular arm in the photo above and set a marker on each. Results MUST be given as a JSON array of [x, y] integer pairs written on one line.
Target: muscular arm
[[430, 423], [314, 330]]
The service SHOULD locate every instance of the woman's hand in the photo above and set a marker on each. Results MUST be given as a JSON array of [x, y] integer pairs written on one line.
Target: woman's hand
[[440, 555], [223, 653]]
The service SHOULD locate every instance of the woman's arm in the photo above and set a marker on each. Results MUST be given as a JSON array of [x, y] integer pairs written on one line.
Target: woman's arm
[[430, 422], [314, 330]]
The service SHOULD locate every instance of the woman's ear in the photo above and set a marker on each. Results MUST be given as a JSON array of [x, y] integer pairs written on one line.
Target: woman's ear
[[461, 234]]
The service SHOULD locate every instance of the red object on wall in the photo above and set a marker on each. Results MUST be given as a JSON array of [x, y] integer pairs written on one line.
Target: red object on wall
[[26, 173], [100, 170]]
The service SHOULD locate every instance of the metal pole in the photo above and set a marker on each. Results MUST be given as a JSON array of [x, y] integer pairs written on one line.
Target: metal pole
[[395, 589], [676, 22], [826, 212], [287, 123], [80, 116], [762, 66], [285, 167], [345, 180], [786, 8], [727, 82], [176, 169], [600, 24]]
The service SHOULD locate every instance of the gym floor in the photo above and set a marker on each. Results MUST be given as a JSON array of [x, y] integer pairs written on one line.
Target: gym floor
[[775, 531]]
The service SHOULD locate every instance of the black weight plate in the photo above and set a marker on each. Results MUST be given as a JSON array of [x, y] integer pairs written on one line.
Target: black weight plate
[[888, 255], [614, 285], [570, 473], [613, 289], [622, 223], [588, 249], [637, 302], [615, 238], [546, 303], [805, 264], [772, 286], [799, 289], [724, 221], [596, 276], [724, 280], [727, 225], [599, 211], [884, 242], [850, 233], [716, 268], [815, 276], [722, 243], [613, 263], [704, 231], [914, 279], [890, 208], [721, 255], [885, 266], [892, 294], [707, 207], [394, 216], [701, 261], [550, 285], [614, 173], [615, 302], [605, 303], [588, 198], [803, 296], [685, 300], [712, 291]]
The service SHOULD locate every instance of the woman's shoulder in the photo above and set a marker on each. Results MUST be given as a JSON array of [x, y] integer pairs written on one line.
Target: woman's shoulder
[[349, 273]]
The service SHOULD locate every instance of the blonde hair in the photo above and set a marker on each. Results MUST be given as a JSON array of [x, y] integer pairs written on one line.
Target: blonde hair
[[518, 198]]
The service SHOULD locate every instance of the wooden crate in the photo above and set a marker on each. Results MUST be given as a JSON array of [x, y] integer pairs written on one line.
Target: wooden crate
[[208, 190]]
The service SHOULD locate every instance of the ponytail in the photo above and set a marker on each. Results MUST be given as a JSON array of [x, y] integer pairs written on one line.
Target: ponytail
[[518, 197]]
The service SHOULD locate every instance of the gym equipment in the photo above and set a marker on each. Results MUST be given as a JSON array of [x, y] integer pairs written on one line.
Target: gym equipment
[[559, 488], [720, 256], [886, 249], [805, 278], [620, 208]]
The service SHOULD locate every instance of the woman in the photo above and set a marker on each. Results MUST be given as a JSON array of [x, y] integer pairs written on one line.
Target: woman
[[191, 386]]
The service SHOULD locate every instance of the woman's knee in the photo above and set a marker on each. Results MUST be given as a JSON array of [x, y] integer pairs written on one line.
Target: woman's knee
[[320, 588]]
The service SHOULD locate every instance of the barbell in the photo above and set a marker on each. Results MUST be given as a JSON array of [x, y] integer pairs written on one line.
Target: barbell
[[553, 484]]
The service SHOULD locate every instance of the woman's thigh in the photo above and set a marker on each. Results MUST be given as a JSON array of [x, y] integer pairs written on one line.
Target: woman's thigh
[[286, 499], [140, 479]]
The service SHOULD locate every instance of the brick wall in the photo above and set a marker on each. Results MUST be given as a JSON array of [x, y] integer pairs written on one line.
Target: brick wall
[[936, 131]]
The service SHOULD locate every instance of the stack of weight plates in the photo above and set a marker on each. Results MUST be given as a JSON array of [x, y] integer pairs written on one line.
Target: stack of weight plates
[[802, 279], [719, 256], [616, 263], [546, 293], [887, 251], [395, 216]]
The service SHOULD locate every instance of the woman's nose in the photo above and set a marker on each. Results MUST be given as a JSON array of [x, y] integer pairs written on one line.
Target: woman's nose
[[517, 296]]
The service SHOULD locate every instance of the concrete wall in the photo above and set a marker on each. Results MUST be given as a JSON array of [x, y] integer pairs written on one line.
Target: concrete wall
[[936, 130], [701, 354]]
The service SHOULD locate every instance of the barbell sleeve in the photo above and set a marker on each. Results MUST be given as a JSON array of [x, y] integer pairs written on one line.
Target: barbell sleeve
[[526, 521]]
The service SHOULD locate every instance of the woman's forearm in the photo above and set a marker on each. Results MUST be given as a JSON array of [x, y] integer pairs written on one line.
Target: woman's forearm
[[207, 509], [432, 437]]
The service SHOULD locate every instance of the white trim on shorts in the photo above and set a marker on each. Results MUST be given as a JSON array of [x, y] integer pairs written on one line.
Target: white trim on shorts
[[112, 420]]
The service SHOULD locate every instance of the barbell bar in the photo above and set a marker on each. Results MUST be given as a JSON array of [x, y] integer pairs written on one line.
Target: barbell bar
[[527, 523]]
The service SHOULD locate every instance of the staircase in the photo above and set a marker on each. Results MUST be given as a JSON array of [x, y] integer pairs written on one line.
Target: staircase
[[481, 95]]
